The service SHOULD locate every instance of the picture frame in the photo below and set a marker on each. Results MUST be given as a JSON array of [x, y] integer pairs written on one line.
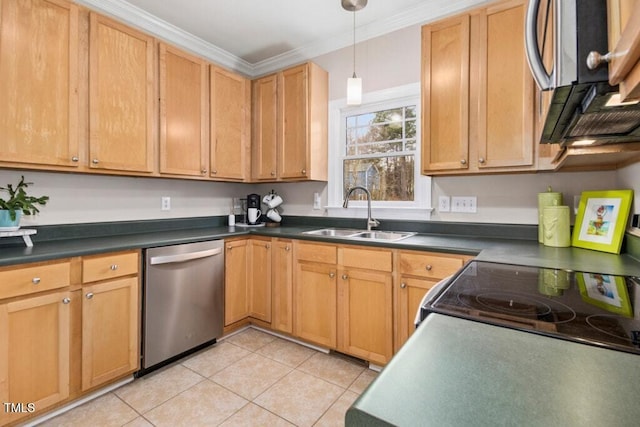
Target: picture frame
[[606, 291], [601, 220]]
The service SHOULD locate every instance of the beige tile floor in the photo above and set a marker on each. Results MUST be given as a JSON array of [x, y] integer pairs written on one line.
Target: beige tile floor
[[248, 379]]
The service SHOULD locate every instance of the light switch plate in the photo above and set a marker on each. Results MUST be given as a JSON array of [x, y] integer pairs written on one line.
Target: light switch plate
[[467, 204]]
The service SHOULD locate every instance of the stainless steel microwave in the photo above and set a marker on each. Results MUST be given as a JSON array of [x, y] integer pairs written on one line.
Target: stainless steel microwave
[[583, 107]]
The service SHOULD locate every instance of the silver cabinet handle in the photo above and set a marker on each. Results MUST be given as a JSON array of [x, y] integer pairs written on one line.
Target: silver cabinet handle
[[304, 171], [345, 277], [273, 173], [267, 246], [75, 159], [95, 161], [35, 280], [214, 172], [428, 267], [204, 171], [89, 295], [332, 275], [168, 259], [114, 267], [403, 285], [481, 159], [66, 300], [463, 161], [596, 59], [287, 248]]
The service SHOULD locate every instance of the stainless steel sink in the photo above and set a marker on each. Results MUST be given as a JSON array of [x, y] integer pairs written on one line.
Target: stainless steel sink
[[388, 236], [333, 232], [375, 235]]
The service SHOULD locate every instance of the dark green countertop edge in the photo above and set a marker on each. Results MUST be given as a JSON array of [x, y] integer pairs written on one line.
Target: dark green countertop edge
[[515, 244]]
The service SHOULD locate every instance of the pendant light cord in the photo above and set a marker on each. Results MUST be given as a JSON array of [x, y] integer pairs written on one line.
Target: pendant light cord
[[354, 44]]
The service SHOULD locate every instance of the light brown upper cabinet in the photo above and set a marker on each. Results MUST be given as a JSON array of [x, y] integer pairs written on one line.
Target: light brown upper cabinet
[[122, 105], [264, 133], [298, 137], [184, 113], [478, 93], [39, 90], [624, 42], [230, 99]]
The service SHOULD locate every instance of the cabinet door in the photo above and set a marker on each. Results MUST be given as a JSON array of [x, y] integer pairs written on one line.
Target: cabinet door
[[365, 318], [121, 97], [34, 352], [110, 325], [236, 282], [282, 262], [409, 294], [184, 113], [230, 100], [505, 107], [293, 97], [264, 128], [445, 95], [624, 42], [39, 82], [260, 280], [315, 303]]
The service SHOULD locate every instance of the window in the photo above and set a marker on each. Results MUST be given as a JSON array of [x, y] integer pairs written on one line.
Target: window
[[377, 145], [379, 154]]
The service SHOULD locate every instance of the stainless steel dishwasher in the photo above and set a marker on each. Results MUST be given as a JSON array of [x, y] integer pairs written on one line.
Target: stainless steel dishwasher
[[182, 301]]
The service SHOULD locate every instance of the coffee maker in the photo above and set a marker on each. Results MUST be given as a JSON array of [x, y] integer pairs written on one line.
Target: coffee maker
[[253, 209]]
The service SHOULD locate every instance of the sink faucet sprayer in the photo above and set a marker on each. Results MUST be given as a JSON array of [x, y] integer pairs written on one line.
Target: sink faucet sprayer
[[370, 221]]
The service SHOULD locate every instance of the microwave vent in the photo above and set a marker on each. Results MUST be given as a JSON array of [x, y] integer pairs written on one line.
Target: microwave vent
[[605, 123]]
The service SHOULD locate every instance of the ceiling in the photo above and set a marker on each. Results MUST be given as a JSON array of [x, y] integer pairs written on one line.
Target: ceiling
[[258, 36]]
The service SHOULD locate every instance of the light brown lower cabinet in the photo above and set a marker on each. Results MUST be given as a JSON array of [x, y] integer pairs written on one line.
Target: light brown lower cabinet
[[417, 272], [247, 282], [109, 330], [282, 282], [344, 299], [34, 354], [60, 338]]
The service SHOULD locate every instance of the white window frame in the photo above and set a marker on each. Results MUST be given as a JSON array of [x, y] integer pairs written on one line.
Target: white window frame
[[420, 208]]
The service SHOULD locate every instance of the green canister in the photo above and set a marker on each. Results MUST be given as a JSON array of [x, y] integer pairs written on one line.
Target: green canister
[[556, 226], [548, 198]]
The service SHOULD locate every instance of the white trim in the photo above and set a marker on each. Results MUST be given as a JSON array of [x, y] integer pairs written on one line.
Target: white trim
[[383, 99], [76, 403], [422, 13]]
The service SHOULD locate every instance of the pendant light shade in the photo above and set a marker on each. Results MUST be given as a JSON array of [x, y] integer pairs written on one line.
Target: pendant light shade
[[354, 90], [354, 83]]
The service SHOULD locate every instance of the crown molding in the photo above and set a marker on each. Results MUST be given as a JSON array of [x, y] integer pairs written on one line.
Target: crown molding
[[422, 13]]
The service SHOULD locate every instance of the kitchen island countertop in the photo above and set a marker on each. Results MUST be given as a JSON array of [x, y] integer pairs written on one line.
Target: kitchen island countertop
[[457, 372]]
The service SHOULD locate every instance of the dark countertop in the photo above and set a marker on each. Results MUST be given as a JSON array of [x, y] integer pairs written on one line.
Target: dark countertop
[[457, 372], [498, 249]]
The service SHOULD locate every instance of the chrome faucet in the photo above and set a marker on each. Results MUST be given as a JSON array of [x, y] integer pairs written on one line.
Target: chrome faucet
[[370, 221]]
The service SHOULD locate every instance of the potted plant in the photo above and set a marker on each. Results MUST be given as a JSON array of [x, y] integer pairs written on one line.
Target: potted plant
[[18, 203]]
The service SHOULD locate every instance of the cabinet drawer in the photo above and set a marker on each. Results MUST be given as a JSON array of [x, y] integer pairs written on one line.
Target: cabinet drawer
[[101, 267], [316, 253], [429, 265], [16, 281], [369, 259]]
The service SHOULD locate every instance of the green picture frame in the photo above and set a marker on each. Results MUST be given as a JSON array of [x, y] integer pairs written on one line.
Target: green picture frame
[[606, 291], [601, 220]]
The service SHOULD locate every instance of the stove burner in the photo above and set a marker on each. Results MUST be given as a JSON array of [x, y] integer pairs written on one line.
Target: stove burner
[[608, 325], [517, 304]]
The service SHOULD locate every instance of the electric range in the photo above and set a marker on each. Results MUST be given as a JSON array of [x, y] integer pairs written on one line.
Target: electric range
[[587, 307]]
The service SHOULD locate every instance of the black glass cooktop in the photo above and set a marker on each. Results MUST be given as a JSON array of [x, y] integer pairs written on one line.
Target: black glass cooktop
[[592, 308]]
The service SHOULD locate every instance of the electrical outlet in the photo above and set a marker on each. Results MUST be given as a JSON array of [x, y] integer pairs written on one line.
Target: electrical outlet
[[165, 204], [467, 204], [444, 204], [317, 202]]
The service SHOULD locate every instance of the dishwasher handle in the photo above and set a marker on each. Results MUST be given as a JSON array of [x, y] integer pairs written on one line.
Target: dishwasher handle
[[169, 259]]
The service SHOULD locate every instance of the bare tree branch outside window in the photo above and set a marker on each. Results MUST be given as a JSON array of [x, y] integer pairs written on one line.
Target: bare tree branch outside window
[[380, 154]]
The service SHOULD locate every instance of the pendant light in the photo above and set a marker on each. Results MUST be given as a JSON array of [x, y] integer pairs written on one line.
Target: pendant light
[[354, 83]]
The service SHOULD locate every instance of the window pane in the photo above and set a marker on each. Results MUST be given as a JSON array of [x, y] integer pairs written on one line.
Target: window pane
[[410, 129], [387, 178], [389, 147], [410, 112]]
